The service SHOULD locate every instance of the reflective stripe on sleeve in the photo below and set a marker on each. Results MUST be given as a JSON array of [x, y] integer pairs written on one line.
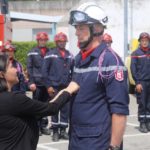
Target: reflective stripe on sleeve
[[33, 53], [51, 56], [96, 68]]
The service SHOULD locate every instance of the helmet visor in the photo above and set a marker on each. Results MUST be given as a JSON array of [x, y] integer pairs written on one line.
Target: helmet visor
[[78, 17]]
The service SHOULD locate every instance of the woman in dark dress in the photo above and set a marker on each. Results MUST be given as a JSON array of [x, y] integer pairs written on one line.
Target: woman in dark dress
[[18, 113]]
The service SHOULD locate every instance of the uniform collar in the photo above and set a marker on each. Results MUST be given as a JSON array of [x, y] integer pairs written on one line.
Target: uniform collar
[[95, 54], [145, 49], [59, 54], [86, 53]]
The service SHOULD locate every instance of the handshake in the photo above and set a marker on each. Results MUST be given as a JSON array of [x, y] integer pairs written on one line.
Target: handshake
[[73, 87]]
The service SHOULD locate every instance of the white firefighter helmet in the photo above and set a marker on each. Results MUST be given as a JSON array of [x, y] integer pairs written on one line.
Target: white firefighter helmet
[[88, 13]]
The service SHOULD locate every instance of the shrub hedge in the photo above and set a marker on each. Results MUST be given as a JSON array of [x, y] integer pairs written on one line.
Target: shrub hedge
[[22, 49]]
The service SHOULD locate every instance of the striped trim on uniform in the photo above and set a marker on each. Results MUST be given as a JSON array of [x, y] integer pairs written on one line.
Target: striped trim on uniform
[[143, 116], [58, 123], [84, 70], [112, 68], [141, 56], [33, 53], [54, 123], [96, 68], [55, 56], [63, 123], [71, 57], [51, 56]]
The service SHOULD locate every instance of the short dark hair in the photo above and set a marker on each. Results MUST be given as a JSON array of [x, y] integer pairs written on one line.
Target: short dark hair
[[3, 67]]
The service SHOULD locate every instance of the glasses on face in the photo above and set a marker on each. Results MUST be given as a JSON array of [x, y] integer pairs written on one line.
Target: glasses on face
[[77, 17]]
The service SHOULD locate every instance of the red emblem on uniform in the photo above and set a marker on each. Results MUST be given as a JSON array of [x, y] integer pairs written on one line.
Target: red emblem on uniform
[[119, 75]]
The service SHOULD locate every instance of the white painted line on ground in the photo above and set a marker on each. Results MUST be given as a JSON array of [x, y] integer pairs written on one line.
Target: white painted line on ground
[[132, 124], [133, 135], [54, 143], [45, 147]]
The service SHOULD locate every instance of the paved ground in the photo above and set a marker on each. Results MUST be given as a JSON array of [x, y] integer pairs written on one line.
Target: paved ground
[[133, 139]]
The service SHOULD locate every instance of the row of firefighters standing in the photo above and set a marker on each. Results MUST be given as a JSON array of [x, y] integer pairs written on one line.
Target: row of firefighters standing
[[50, 70]]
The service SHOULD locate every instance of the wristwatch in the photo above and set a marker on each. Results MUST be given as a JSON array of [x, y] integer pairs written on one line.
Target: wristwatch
[[114, 147]]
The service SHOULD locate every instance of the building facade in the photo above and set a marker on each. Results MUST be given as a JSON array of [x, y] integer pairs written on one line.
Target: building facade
[[137, 14]]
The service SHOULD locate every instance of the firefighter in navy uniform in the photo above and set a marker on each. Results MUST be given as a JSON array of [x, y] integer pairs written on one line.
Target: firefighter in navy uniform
[[99, 109], [10, 49], [34, 67], [140, 69], [57, 71]]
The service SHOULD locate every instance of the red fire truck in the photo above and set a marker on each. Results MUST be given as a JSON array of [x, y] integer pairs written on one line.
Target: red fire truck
[[5, 23]]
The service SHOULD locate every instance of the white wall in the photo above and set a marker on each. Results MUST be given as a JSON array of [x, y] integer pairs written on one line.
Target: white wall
[[22, 34], [138, 21]]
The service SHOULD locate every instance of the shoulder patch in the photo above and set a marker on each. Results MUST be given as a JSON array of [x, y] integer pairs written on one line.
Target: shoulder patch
[[119, 75]]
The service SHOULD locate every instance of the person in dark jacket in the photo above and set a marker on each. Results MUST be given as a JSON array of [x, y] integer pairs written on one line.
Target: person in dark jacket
[[34, 68], [57, 71], [100, 107], [18, 113], [140, 69], [10, 49]]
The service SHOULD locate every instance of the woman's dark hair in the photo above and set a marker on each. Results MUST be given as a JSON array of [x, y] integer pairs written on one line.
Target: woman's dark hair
[[3, 67]]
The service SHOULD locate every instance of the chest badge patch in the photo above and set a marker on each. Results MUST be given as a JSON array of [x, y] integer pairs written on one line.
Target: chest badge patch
[[119, 75]]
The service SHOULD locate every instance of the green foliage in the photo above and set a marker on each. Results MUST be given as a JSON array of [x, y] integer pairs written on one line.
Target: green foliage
[[22, 49]]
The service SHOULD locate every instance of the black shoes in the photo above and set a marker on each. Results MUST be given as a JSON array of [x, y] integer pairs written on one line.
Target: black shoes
[[55, 137], [63, 134], [45, 131], [148, 126], [143, 128]]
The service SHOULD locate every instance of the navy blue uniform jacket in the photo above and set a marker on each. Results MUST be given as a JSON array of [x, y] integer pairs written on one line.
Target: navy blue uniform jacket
[[34, 66], [97, 99], [140, 65], [57, 71]]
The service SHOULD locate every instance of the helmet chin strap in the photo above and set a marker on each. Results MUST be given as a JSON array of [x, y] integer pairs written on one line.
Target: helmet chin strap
[[83, 45], [98, 33]]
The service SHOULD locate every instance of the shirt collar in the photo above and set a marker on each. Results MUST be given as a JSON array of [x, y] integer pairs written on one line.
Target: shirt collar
[[96, 53]]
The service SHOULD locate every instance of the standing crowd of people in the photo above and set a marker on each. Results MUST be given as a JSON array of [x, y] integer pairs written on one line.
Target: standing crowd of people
[[88, 92]]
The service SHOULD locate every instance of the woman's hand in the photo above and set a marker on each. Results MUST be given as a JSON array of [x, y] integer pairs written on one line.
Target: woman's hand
[[55, 98], [32, 87], [72, 88]]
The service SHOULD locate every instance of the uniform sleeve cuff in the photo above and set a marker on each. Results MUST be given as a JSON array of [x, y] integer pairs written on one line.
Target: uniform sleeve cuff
[[124, 110]]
